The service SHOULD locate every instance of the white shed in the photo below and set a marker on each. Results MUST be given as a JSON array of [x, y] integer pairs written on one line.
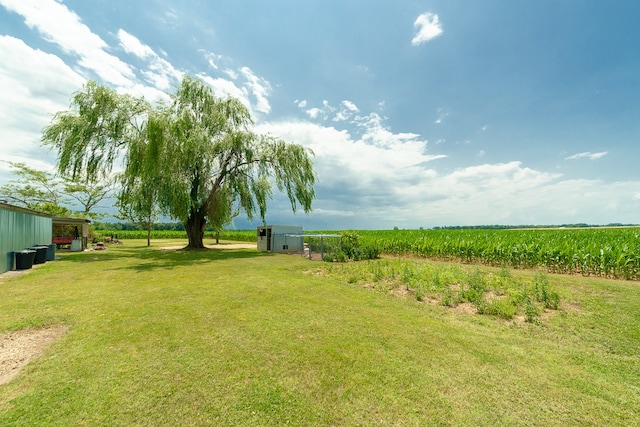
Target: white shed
[[280, 238]]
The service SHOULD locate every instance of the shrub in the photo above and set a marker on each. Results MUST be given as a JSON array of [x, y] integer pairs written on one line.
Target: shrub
[[500, 307], [351, 250]]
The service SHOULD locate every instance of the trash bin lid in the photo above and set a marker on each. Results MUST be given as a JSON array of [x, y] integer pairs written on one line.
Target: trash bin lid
[[25, 251]]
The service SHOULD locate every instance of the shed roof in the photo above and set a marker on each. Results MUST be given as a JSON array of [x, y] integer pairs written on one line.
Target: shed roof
[[7, 206], [70, 221]]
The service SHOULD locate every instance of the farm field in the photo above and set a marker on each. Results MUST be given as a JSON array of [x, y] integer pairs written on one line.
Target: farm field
[[160, 336], [602, 252]]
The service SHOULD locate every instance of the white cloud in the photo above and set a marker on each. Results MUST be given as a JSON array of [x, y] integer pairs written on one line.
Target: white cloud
[[61, 26], [369, 172], [223, 87], [323, 112], [150, 93], [260, 88], [160, 73], [350, 106], [232, 74], [133, 45], [346, 111], [391, 179], [587, 155], [34, 85], [428, 27], [314, 113]]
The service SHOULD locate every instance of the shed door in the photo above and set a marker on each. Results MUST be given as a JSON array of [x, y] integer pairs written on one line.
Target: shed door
[[269, 239]]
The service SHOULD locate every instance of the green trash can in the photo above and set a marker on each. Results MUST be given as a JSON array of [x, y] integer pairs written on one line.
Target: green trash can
[[41, 254], [24, 259], [51, 252]]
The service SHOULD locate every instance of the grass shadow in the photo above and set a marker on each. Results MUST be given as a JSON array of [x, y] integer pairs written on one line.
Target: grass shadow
[[147, 259]]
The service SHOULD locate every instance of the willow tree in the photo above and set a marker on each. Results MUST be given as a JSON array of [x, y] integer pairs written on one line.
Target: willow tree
[[198, 151]]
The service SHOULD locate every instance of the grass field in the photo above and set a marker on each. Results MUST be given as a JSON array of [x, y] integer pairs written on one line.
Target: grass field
[[237, 337]]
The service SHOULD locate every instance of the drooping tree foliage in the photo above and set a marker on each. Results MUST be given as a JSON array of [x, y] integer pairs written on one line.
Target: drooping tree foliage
[[198, 153]]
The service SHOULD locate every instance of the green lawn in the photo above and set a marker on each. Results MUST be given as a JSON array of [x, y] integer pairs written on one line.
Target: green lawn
[[238, 337]]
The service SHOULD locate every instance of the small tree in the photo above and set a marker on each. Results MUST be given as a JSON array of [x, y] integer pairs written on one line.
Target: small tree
[[224, 213], [46, 192], [199, 152], [88, 194], [36, 190], [137, 203]]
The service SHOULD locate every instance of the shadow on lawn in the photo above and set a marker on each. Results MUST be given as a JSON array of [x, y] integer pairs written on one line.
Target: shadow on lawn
[[146, 259]]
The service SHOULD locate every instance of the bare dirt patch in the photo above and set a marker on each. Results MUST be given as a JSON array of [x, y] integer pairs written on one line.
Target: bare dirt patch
[[12, 273], [18, 348], [221, 246]]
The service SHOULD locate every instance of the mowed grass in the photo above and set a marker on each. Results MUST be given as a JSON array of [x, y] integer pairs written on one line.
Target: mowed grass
[[238, 337]]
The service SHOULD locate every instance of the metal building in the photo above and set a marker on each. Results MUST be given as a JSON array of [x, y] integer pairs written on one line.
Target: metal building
[[280, 238], [21, 228]]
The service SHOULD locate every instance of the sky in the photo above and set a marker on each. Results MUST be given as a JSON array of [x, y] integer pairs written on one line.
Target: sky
[[420, 113]]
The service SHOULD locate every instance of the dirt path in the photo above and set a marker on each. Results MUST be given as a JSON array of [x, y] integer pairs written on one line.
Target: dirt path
[[21, 347]]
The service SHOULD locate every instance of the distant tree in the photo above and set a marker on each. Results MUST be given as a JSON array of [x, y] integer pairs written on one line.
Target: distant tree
[[199, 152], [36, 190], [138, 203], [224, 213], [88, 195], [46, 192]]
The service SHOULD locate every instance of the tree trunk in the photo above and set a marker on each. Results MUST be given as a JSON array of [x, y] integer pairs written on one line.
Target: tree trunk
[[194, 227]]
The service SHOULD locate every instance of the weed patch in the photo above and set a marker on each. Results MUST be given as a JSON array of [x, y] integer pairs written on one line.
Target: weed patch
[[501, 295]]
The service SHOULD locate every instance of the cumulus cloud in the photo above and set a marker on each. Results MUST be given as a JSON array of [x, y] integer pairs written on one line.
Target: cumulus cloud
[[314, 113], [34, 85], [428, 28], [588, 155], [369, 170], [260, 88], [346, 111], [223, 87], [159, 73], [62, 27], [390, 179]]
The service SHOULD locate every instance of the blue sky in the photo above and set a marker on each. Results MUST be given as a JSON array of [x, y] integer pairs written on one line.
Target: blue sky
[[420, 113]]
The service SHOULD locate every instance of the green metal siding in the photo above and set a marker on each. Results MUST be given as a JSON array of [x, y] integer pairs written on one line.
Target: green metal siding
[[20, 229]]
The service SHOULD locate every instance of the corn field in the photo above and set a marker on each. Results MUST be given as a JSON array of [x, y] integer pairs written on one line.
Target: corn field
[[603, 252]]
